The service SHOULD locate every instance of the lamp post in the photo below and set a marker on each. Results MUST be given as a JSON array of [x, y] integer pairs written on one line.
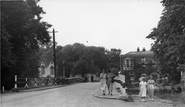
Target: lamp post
[[63, 62]]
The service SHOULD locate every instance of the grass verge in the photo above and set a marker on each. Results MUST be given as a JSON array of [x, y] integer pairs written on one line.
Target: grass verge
[[177, 98]]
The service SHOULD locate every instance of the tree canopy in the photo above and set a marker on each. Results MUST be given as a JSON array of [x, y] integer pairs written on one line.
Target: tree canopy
[[22, 30], [81, 59], [169, 37]]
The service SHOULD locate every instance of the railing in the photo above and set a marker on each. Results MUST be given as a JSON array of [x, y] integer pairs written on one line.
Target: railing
[[43, 81]]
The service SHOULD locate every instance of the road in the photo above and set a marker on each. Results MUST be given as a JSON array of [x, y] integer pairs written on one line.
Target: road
[[78, 95]]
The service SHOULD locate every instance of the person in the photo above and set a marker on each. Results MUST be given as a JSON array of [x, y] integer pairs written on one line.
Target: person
[[86, 78], [151, 83], [103, 76], [140, 79], [143, 89], [109, 81], [92, 78]]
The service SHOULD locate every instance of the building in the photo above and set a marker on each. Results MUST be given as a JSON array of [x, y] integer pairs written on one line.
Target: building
[[93, 70], [137, 62], [46, 66]]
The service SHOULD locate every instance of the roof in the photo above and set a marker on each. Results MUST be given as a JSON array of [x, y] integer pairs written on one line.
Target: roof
[[149, 55], [47, 59], [139, 54]]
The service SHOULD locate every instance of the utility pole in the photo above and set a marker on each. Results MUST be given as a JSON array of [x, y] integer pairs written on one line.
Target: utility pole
[[120, 62], [54, 55]]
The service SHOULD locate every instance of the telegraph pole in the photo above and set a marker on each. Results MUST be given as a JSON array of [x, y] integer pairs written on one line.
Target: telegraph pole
[[54, 55]]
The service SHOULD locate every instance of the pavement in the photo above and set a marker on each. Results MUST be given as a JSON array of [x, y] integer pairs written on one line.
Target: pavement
[[115, 95], [136, 98]]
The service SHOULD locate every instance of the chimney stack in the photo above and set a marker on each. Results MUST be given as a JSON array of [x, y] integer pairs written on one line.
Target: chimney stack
[[144, 49], [138, 49]]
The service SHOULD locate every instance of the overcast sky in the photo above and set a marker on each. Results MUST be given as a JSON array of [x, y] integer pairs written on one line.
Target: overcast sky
[[120, 24]]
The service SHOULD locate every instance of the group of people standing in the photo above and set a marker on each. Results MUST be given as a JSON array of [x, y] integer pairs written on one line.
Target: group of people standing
[[106, 80], [145, 85]]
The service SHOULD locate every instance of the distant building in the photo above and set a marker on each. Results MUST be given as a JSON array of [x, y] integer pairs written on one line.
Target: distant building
[[46, 66], [93, 70], [137, 62]]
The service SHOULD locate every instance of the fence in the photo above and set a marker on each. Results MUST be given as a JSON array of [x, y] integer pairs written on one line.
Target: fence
[[43, 81]]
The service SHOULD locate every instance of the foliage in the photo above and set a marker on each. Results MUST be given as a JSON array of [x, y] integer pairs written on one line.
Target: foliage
[[177, 98], [7, 55], [154, 75], [169, 38], [80, 68], [22, 31], [146, 70], [181, 67], [80, 59], [98, 55], [114, 71], [114, 58]]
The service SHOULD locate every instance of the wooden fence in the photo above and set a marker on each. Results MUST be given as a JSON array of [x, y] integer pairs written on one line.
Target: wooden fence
[[43, 81]]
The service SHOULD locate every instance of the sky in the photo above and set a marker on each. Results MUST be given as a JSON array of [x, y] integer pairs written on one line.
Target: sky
[[120, 24]]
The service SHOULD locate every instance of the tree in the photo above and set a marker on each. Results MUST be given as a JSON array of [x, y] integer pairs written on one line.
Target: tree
[[169, 37], [97, 54], [70, 53], [79, 58], [22, 31], [80, 68], [7, 56], [114, 58]]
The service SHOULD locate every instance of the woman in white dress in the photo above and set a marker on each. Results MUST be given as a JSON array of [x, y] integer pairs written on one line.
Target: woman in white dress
[[103, 76], [143, 89]]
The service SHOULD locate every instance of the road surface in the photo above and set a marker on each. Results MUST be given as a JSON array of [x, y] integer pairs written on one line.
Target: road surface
[[78, 95]]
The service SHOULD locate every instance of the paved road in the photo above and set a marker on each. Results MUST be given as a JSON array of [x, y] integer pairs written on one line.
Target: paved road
[[78, 95]]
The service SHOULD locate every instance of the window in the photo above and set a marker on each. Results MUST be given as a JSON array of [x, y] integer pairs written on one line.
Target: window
[[42, 69], [127, 63], [52, 70], [131, 63], [143, 59], [131, 73], [144, 66]]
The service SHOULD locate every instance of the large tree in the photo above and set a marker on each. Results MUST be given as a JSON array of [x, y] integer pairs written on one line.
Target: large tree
[[114, 58], [169, 37], [22, 31]]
